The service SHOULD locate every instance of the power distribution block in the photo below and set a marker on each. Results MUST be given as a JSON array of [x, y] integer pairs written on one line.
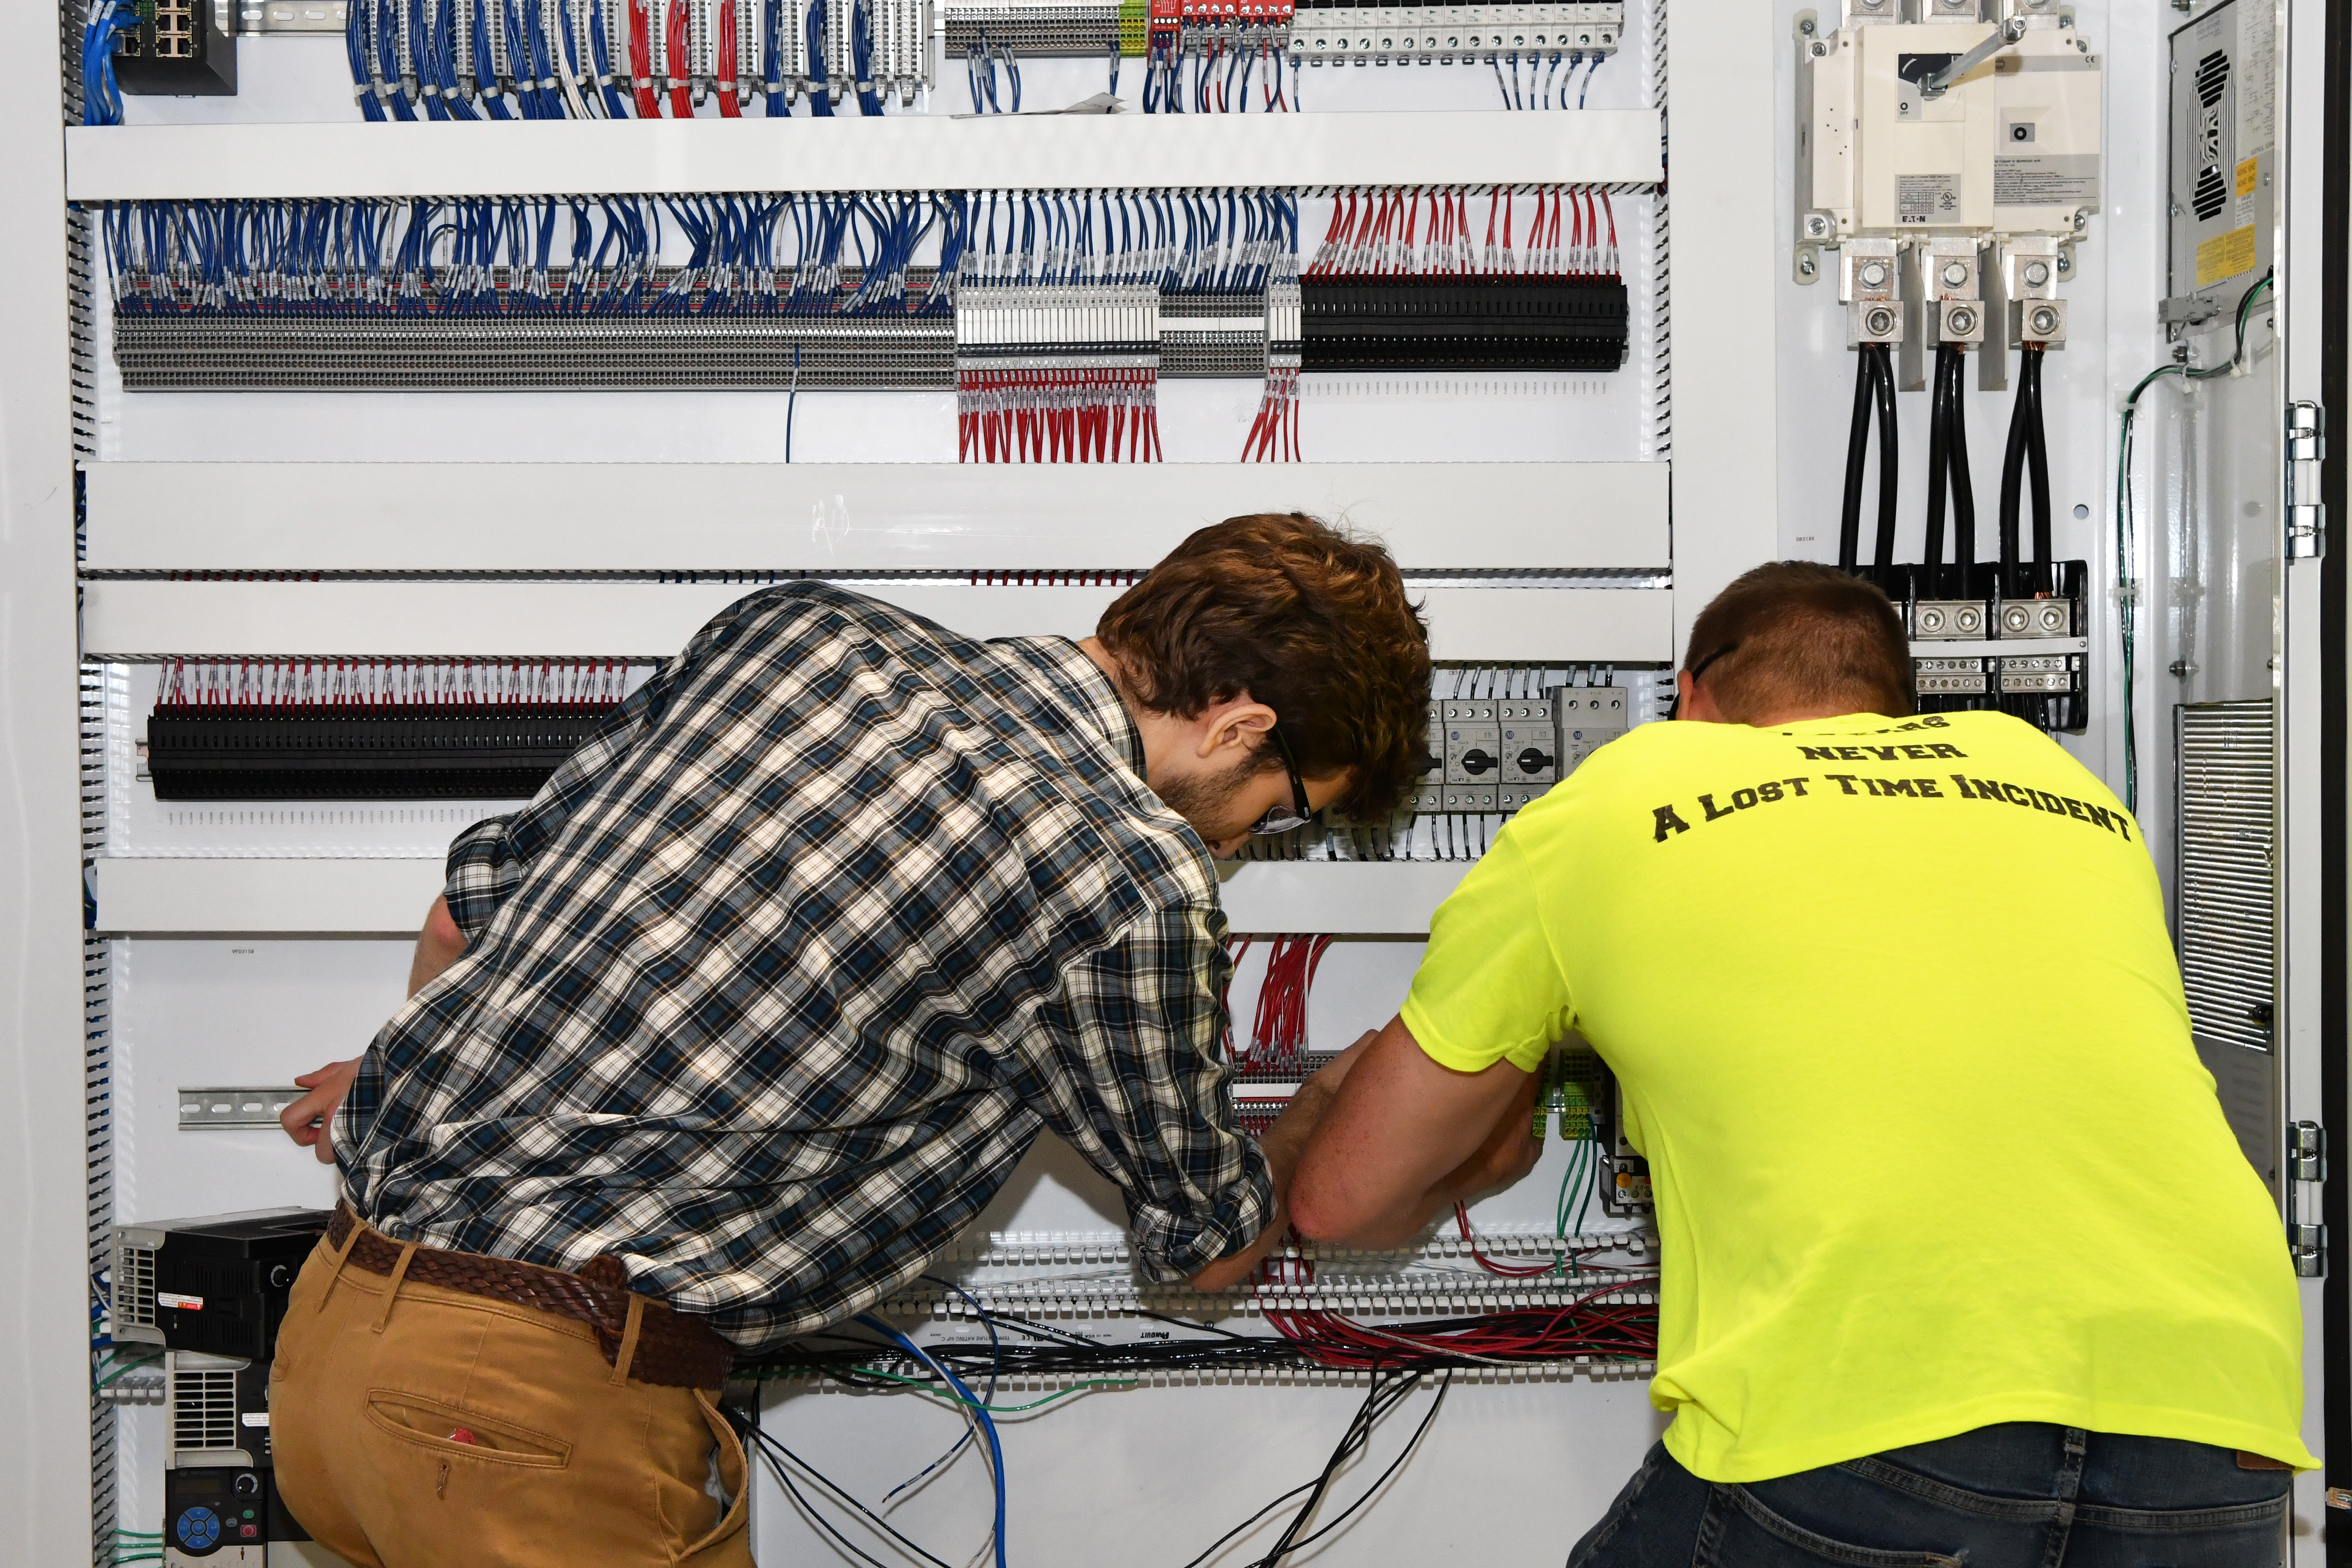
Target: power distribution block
[[2019, 648]]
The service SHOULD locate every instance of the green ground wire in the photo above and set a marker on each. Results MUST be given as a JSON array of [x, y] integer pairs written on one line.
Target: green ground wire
[[2126, 541]]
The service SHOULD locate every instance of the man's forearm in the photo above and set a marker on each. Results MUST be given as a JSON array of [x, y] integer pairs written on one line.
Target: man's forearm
[[1284, 1142]]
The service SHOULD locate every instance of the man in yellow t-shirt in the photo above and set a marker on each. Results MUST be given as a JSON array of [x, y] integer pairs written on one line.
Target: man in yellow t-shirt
[[1959, 1259]]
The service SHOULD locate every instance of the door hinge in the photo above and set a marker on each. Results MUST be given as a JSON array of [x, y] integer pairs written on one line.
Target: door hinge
[[2307, 1244], [2306, 447], [2306, 1151]]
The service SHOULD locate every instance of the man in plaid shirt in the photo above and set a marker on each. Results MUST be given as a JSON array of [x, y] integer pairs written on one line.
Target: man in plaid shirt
[[731, 1030]]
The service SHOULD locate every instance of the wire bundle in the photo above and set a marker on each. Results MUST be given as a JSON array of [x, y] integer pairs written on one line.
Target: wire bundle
[[1383, 233], [1278, 1034], [615, 59], [102, 96], [1545, 67], [1091, 414], [391, 683], [746, 256], [1221, 59]]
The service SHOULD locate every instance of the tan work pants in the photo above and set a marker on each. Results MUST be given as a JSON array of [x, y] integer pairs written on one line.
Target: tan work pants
[[379, 1387]]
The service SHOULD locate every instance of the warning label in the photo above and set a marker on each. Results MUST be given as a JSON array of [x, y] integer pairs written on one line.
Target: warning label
[[1926, 198], [2046, 179], [2246, 172], [2225, 256]]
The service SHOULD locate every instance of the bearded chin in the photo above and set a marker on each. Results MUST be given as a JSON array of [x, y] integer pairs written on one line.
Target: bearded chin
[[1207, 803]]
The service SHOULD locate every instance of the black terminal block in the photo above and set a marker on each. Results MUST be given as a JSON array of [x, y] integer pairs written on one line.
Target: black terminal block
[[1366, 321], [318, 752]]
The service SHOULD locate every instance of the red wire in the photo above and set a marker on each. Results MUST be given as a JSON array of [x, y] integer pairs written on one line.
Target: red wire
[[729, 108], [641, 60], [681, 95]]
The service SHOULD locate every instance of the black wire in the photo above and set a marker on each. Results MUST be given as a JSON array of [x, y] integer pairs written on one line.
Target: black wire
[[2037, 461], [770, 1447], [1939, 425], [1354, 1423], [2013, 464], [805, 1507], [1964, 491], [1359, 1431], [1189, 1323], [1857, 454], [1395, 1464], [1890, 492]]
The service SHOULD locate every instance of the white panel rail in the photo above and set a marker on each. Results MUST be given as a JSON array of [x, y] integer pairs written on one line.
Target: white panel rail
[[216, 896], [914, 153], [843, 517], [145, 618]]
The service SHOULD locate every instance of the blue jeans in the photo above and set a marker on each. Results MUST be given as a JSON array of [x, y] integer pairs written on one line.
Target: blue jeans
[[2021, 1495]]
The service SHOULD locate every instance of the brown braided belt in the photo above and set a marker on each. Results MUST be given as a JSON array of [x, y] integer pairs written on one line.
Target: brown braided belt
[[674, 1349]]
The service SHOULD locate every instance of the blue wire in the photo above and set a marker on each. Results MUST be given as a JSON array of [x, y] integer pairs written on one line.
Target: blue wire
[[820, 100], [979, 1411], [101, 97]]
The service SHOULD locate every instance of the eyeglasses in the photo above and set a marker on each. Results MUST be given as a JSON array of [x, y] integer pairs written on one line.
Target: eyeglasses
[[1279, 820], [1700, 668]]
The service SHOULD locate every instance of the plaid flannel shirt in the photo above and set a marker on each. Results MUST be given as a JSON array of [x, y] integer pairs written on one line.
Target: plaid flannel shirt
[[772, 984]]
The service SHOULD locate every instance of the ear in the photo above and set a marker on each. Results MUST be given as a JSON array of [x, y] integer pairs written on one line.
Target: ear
[[1233, 726], [1694, 702]]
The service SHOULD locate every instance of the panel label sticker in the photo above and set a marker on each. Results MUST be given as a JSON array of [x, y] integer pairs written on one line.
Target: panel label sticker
[[2246, 177], [2225, 256], [1926, 198], [2046, 179], [184, 1303]]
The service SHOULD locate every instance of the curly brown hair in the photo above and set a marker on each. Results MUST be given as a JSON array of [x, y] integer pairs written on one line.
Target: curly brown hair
[[1304, 618]]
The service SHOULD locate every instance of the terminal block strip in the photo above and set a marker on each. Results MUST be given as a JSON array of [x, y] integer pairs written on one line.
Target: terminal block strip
[[1335, 31]]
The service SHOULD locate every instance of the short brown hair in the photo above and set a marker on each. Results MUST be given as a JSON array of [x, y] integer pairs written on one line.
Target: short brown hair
[[1795, 634], [1306, 619]]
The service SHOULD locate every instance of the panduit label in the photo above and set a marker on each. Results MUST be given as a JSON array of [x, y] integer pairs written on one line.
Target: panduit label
[[184, 1303]]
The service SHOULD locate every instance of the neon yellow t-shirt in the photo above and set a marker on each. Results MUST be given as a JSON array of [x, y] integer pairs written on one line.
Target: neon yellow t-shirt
[[1901, 1032]]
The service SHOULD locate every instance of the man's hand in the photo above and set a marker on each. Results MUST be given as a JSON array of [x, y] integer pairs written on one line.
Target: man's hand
[[438, 946], [1283, 1144], [1407, 1139], [326, 1086]]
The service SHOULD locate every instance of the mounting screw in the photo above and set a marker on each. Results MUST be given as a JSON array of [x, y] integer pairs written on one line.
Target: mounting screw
[[1806, 266], [1820, 50], [1872, 275], [1817, 224], [2082, 219], [1806, 26], [1955, 274], [2037, 273]]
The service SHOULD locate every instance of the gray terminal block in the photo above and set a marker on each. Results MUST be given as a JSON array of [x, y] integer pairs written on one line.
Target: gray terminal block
[[1530, 749], [1429, 794], [1590, 717]]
